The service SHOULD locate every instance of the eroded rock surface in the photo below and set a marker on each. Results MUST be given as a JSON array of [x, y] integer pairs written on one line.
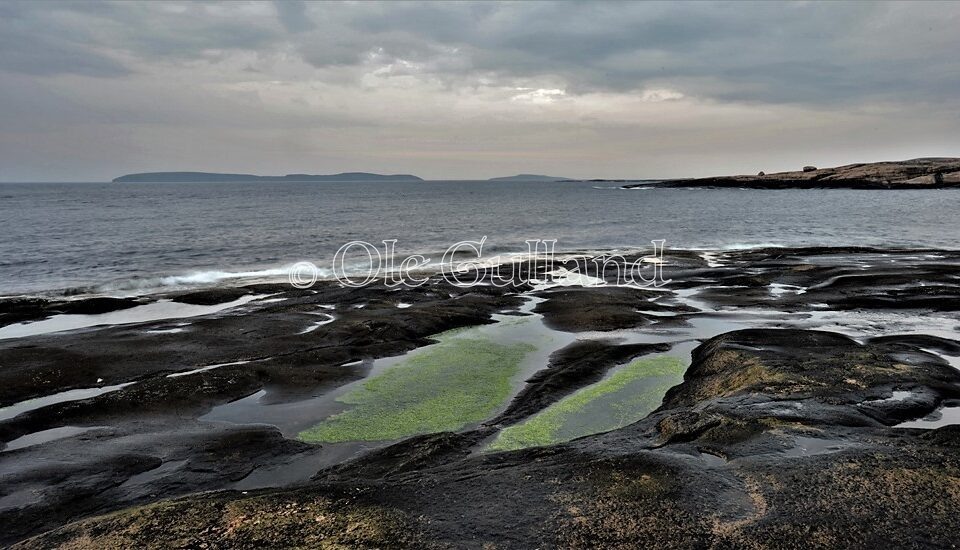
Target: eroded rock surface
[[783, 431]]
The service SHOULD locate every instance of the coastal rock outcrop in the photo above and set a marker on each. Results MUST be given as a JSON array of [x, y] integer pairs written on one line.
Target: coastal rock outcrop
[[773, 437], [798, 419], [920, 173]]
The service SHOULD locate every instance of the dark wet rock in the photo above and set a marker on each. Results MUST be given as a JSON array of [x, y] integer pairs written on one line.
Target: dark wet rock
[[775, 435], [18, 310], [343, 520], [923, 341], [130, 472], [595, 491], [22, 309], [923, 298], [579, 309], [414, 454], [78, 488], [134, 470], [95, 306], [813, 367], [157, 411], [847, 278], [687, 426], [211, 297], [187, 396], [47, 364], [947, 436]]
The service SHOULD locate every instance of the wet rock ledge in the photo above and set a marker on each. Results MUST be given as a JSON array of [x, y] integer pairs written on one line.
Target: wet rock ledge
[[775, 438], [807, 417]]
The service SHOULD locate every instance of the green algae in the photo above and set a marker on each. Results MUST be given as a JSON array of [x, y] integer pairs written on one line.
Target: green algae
[[627, 396], [459, 381]]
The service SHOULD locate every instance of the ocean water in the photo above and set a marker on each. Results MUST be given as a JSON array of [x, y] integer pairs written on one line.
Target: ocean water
[[77, 238]]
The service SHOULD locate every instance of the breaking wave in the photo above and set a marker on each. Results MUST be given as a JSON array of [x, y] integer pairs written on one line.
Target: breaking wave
[[189, 280]]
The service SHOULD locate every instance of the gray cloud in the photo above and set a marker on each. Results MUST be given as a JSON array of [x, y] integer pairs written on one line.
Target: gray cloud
[[38, 45], [93, 39], [758, 52], [402, 83], [765, 52], [293, 15]]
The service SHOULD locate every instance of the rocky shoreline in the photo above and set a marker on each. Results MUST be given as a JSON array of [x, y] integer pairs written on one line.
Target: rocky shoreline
[[920, 173], [816, 410]]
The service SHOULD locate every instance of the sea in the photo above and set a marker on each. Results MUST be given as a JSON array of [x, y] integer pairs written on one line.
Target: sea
[[78, 239]]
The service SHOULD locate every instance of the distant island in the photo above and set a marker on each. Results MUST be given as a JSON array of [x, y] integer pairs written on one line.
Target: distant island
[[920, 173], [208, 177], [528, 177]]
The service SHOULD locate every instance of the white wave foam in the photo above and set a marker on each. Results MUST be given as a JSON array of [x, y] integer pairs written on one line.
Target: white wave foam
[[731, 246], [195, 279], [212, 277], [137, 286], [749, 246]]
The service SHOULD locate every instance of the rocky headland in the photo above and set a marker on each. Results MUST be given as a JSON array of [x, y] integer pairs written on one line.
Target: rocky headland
[[921, 173]]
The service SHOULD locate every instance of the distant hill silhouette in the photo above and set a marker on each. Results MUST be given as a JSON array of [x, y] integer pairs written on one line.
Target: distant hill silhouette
[[528, 177], [205, 177]]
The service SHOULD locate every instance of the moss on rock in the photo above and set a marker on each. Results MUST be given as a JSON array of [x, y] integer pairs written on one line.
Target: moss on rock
[[627, 396], [457, 382]]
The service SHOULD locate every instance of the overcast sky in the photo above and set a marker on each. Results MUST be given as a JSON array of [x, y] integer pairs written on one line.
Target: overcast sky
[[89, 91]]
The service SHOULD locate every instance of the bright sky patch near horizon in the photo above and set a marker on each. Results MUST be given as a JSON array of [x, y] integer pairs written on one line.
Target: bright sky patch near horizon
[[90, 91]]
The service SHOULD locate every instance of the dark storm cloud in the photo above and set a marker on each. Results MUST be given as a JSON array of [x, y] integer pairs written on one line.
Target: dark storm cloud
[[93, 39], [753, 51], [293, 15], [40, 46]]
